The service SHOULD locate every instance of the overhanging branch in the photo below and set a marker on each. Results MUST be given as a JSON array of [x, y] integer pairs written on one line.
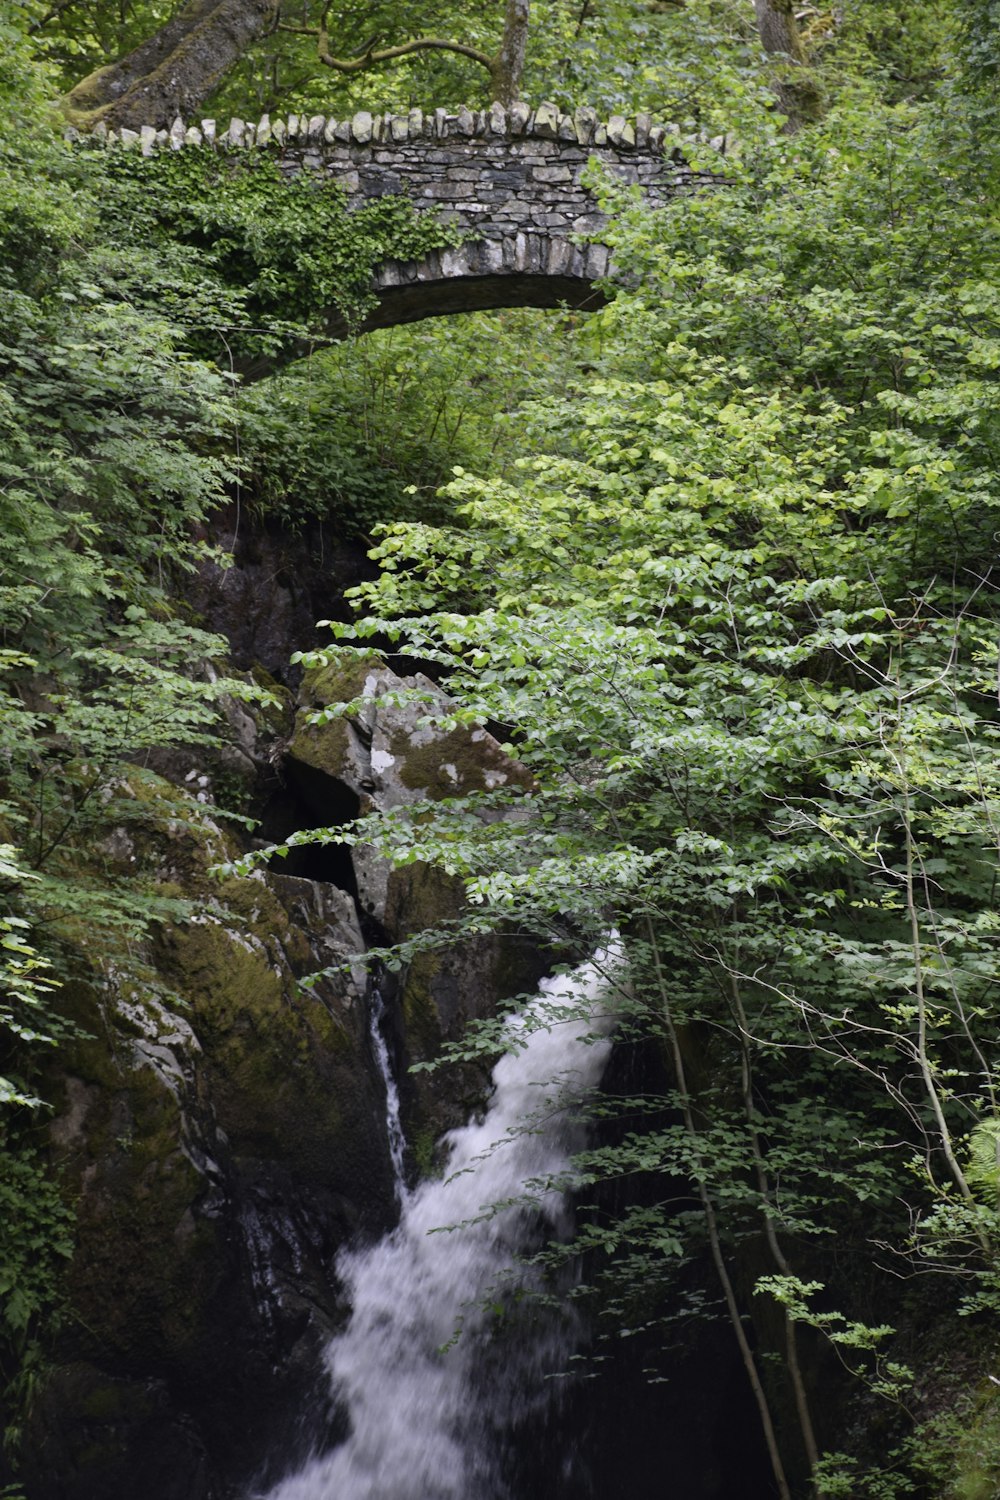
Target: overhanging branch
[[374, 57]]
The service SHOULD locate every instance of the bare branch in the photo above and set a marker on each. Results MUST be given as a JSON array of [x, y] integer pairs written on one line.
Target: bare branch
[[373, 58]]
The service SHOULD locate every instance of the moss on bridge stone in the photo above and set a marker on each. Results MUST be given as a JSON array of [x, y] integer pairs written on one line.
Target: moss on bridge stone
[[513, 184]]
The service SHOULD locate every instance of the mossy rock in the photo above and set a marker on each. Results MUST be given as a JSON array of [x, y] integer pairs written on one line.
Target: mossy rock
[[96, 1437], [156, 830], [145, 1266], [341, 680], [455, 763], [205, 1064], [324, 747], [420, 896], [277, 716], [268, 1055], [330, 747]]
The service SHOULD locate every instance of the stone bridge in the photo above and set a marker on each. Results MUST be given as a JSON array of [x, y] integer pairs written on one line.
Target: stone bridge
[[512, 179]]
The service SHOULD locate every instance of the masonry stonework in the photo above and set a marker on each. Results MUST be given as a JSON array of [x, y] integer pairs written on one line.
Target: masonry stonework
[[513, 179]]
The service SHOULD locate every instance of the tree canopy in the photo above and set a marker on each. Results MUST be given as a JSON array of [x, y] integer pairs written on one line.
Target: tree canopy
[[169, 60]]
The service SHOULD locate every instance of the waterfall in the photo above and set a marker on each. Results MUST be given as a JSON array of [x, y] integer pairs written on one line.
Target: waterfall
[[393, 1123], [427, 1384]]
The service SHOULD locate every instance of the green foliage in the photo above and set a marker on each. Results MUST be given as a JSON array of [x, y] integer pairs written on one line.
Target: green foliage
[[36, 1241], [112, 452], [36, 1234], [699, 61], [977, 42], [26, 985], [273, 257], [727, 593], [978, 1453], [370, 431], [983, 1167], [734, 614]]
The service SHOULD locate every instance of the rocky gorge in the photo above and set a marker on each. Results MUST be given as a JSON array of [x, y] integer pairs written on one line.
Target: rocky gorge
[[223, 1128]]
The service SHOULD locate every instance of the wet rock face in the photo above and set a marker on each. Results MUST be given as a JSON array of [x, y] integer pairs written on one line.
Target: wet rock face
[[222, 1133], [267, 602], [222, 1129], [126, 1440], [381, 757]]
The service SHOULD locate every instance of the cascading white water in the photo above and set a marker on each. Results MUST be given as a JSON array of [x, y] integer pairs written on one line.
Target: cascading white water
[[424, 1404], [393, 1122]]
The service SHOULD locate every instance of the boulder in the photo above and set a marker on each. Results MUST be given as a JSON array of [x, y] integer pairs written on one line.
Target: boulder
[[221, 1131], [383, 755]]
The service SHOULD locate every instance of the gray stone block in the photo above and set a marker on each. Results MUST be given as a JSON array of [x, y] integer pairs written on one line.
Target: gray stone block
[[455, 262], [558, 258], [597, 258], [490, 257], [585, 121], [621, 132], [546, 122]]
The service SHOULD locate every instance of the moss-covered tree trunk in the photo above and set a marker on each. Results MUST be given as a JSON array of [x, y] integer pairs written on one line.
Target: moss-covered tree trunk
[[781, 39], [508, 65], [173, 71]]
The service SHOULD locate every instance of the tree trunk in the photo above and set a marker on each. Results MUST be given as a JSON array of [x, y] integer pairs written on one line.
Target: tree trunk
[[781, 39], [508, 65], [174, 70], [779, 32]]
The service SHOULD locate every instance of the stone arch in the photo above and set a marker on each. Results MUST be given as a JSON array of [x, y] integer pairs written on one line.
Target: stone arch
[[515, 181]]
